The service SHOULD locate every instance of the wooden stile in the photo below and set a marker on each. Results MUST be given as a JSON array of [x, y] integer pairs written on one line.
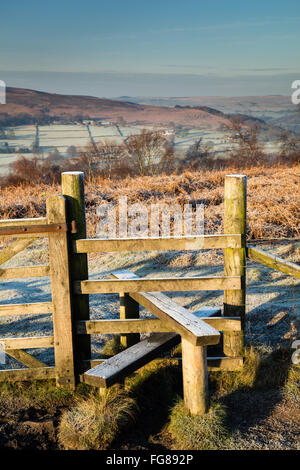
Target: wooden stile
[[71, 288]]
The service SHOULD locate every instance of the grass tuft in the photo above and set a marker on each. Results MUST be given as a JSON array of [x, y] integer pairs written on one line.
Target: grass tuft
[[292, 384], [260, 371], [205, 432], [95, 423], [40, 393]]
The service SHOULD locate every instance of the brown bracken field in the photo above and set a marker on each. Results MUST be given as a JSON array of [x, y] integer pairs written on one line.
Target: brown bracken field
[[273, 197]]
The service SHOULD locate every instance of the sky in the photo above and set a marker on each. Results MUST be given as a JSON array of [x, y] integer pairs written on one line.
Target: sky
[[157, 48]]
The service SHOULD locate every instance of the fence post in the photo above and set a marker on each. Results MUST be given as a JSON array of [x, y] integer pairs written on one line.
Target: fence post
[[61, 295], [73, 189], [195, 378], [235, 260], [129, 308]]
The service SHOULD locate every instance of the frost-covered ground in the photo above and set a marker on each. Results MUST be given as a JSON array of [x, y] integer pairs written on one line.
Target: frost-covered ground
[[273, 300], [60, 137], [57, 136]]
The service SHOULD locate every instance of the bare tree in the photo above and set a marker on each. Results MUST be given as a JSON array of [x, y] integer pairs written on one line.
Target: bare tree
[[149, 153], [245, 143], [197, 152], [72, 151], [289, 143], [99, 158]]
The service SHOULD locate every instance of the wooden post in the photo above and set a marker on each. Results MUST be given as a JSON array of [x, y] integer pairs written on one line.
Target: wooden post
[[61, 295], [195, 378], [235, 260], [129, 308], [73, 190]]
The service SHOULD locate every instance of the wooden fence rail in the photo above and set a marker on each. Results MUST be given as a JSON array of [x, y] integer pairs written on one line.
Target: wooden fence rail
[[204, 242], [274, 262], [36, 308], [106, 286]]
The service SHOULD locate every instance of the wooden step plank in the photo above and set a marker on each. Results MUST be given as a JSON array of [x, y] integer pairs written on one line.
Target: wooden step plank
[[173, 315], [128, 361], [107, 286], [202, 242]]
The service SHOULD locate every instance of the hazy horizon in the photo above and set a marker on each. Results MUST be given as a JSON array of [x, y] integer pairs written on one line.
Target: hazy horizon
[[169, 48], [114, 85]]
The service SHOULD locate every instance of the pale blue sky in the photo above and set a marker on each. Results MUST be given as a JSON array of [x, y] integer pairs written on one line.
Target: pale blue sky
[[165, 47]]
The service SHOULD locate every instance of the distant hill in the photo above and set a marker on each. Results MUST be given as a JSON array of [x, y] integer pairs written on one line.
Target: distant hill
[[275, 110], [29, 106]]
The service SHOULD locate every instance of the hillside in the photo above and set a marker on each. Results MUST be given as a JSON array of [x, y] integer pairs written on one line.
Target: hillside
[[275, 110], [28, 106]]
